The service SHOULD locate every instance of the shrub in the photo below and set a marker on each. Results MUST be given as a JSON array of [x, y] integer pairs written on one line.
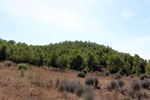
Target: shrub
[[22, 66], [107, 73], [109, 87], [49, 84], [143, 76], [57, 82], [8, 63], [122, 91], [88, 93], [64, 86], [73, 86], [131, 76], [135, 85], [79, 90], [112, 85], [139, 95], [147, 69], [121, 83], [96, 82], [145, 84], [81, 74], [92, 81], [45, 67], [131, 93], [89, 81], [22, 71], [117, 76]]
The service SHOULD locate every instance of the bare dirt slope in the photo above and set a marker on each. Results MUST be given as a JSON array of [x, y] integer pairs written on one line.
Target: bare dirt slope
[[15, 87]]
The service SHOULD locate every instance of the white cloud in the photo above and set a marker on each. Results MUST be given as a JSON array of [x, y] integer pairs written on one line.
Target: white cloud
[[128, 14], [39, 10]]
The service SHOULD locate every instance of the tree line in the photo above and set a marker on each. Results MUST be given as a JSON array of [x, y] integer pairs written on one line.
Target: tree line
[[76, 55]]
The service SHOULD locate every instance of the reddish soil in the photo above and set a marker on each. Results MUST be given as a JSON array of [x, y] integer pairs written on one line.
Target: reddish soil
[[15, 87]]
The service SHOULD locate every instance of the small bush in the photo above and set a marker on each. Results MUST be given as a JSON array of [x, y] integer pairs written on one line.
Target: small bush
[[121, 83], [57, 82], [112, 85], [81, 74], [22, 66], [109, 87], [96, 82], [45, 67], [89, 81], [143, 76], [88, 93], [22, 71], [64, 86], [92, 81], [131, 76], [49, 84], [122, 91], [117, 76], [135, 85], [139, 95], [107, 73], [9, 63], [73, 86], [131, 93], [79, 90], [145, 84]]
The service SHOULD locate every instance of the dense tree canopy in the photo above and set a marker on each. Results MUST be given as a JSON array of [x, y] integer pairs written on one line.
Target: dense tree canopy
[[76, 55]]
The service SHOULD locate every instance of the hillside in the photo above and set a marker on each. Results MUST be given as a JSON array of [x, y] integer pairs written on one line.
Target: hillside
[[39, 84], [76, 55]]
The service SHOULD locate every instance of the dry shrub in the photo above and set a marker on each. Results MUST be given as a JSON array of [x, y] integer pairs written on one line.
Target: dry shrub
[[92, 81], [9, 63], [80, 90], [112, 85], [135, 85], [121, 83], [139, 95], [88, 93], [116, 76], [122, 91], [57, 82], [145, 84]]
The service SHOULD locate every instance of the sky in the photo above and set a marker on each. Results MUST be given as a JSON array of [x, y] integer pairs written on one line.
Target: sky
[[123, 25]]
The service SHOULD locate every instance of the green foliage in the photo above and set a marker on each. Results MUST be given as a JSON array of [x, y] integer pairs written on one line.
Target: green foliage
[[78, 55], [138, 73], [77, 63], [147, 69], [3, 52], [22, 66], [81, 74], [114, 63], [45, 67]]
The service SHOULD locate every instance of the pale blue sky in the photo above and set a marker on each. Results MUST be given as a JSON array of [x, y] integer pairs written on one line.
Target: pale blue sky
[[123, 25]]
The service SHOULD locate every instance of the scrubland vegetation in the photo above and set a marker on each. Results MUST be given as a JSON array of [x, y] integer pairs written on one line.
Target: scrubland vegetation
[[71, 71], [78, 55], [38, 83]]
